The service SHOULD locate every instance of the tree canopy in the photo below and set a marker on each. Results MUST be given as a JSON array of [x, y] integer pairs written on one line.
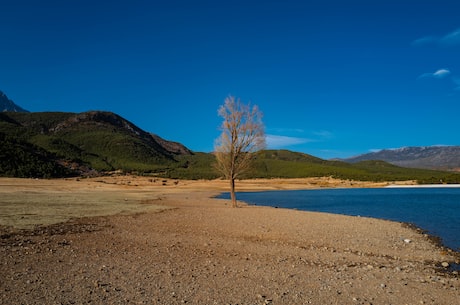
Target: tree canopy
[[243, 134]]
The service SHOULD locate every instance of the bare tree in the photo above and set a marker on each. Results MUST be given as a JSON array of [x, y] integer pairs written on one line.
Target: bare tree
[[242, 136]]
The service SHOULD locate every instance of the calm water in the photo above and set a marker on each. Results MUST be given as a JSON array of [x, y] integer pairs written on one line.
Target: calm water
[[436, 210]]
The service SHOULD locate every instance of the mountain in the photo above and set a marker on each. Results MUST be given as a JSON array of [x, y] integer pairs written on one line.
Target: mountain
[[89, 141], [428, 157], [8, 105], [172, 147], [60, 144]]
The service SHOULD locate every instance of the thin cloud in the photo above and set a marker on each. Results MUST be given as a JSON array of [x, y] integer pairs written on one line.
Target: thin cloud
[[286, 130], [376, 150], [441, 73], [450, 39], [276, 141], [323, 134], [456, 81], [424, 41]]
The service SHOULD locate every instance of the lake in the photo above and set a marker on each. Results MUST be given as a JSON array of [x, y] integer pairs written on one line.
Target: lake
[[434, 209]]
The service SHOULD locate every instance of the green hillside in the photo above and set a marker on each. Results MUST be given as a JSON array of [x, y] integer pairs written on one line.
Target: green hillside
[[288, 164], [99, 140], [23, 159]]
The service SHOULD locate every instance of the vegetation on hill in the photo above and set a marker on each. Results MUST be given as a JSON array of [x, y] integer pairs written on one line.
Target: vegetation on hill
[[56, 144], [288, 164], [102, 141], [23, 159]]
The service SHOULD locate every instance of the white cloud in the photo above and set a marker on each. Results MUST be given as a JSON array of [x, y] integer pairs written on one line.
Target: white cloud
[[441, 73], [276, 141]]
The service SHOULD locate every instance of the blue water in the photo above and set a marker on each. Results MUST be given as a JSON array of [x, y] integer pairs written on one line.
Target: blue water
[[435, 210]]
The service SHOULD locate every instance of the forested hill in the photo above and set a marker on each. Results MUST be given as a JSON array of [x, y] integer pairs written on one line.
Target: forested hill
[[81, 142]]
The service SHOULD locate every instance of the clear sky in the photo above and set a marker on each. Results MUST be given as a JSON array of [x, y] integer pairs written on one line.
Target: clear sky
[[333, 78]]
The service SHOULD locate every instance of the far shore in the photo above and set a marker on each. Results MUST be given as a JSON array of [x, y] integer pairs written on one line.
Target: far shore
[[424, 186]]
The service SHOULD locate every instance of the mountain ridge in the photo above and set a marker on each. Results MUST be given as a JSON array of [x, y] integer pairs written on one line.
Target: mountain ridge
[[436, 157], [8, 105]]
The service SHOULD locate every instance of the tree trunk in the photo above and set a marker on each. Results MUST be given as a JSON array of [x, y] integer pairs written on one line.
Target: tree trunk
[[232, 192]]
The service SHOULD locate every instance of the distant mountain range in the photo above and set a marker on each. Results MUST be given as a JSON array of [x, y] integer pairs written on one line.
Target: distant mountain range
[[8, 105], [428, 157]]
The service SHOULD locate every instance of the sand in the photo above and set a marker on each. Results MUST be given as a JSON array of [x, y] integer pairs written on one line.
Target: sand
[[189, 248]]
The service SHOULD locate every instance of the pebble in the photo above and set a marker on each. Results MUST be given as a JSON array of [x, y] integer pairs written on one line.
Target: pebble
[[445, 264]]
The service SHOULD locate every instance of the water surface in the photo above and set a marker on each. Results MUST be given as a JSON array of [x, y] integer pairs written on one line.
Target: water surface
[[436, 210]]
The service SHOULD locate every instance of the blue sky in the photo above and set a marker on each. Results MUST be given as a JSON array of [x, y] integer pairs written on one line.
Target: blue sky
[[333, 78]]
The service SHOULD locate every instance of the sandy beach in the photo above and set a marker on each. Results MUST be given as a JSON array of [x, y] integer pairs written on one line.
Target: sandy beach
[[178, 245]]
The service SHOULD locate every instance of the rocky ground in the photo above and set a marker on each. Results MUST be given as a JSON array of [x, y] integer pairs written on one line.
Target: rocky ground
[[202, 251]]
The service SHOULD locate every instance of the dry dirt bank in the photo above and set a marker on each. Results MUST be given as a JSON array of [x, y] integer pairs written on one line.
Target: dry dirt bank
[[202, 251]]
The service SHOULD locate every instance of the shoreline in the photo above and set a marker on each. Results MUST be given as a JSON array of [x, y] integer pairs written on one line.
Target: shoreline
[[200, 250], [247, 185], [424, 186], [437, 240]]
